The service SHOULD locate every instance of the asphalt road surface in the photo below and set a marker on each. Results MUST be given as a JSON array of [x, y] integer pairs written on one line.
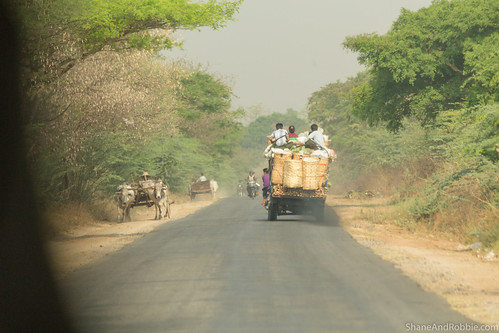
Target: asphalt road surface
[[227, 269]]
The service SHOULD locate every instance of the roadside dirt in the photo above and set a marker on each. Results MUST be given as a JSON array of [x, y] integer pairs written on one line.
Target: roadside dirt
[[84, 244], [468, 282]]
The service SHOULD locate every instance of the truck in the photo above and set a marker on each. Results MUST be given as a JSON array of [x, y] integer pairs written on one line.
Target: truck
[[298, 185]]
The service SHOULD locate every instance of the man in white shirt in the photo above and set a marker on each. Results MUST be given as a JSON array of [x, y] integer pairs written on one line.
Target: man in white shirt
[[317, 136], [202, 178]]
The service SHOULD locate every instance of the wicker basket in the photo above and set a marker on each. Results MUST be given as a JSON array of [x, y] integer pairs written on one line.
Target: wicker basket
[[278, 168], [322, 172], [292, 173], [310, 173]]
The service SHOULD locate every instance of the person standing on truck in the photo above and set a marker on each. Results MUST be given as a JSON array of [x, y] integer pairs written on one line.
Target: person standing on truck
[[280, 136], [316, 136], [266, 185]]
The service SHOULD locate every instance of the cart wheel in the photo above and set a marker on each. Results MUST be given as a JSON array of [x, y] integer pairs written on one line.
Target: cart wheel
[[272, 213]]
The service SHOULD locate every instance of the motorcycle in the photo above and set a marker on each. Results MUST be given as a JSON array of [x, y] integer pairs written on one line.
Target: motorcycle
[[252, 189]]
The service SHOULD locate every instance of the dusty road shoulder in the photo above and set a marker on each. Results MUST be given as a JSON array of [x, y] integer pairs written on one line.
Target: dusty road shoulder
[[468, 283], [82, 245]]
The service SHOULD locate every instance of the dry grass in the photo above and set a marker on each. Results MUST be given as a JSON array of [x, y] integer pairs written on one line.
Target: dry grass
[[65, 217], [462, 210]]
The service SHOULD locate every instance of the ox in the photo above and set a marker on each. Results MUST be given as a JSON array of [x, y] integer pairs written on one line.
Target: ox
[[161, 200], [149, 188], [213, 187], [124, 199]]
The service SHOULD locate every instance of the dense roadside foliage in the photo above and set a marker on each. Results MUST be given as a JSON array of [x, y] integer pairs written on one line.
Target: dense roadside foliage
[[102, 107], [429, 61], [135, 126], [431, 86]]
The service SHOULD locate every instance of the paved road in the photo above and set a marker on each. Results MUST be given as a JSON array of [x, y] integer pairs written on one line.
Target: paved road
[[227, 269]]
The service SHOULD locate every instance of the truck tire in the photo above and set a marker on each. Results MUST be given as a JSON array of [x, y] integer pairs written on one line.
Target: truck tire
[[272, 213]]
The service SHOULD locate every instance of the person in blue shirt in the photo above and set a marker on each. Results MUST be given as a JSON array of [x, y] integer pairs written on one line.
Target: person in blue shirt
[[280, 136]]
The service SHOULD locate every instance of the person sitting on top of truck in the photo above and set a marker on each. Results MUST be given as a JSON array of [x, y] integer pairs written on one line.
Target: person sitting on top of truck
[[292, 135], [316, 136], [202, 178], [280, 136]]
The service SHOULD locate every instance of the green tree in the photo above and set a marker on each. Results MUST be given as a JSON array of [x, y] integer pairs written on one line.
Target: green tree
[[205, 103], [331, 106], [59, 33], [429, 61]]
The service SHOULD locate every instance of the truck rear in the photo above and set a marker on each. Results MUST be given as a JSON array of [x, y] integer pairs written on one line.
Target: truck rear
[[298, 184]]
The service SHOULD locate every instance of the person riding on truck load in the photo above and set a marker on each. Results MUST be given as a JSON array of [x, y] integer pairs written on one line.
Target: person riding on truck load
[[316, 136], [292, 135], [280, 136]]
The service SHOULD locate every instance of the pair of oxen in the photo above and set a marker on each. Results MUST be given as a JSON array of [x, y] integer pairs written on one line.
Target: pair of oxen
[[127, 197]]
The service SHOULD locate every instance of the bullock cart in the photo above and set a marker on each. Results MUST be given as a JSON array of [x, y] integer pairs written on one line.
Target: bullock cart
[[142, 196], [146, 193], [199, 188]]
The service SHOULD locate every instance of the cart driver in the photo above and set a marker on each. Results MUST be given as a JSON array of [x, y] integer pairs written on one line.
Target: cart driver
[[202, 178], [144, 179]]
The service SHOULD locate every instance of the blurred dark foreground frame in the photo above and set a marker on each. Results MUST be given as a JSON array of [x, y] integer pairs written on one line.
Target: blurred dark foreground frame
[[29, 300]]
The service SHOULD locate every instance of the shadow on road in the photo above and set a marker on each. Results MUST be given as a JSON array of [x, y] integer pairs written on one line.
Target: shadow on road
[[331, 219]]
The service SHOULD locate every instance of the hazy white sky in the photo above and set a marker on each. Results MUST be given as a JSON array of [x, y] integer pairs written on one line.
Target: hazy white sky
[[279, 52]]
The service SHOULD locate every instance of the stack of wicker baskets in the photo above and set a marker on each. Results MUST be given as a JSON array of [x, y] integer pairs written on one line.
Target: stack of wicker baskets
[[278, 168], [322, 172], [299, 171], [310, 173], [293, 173]]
